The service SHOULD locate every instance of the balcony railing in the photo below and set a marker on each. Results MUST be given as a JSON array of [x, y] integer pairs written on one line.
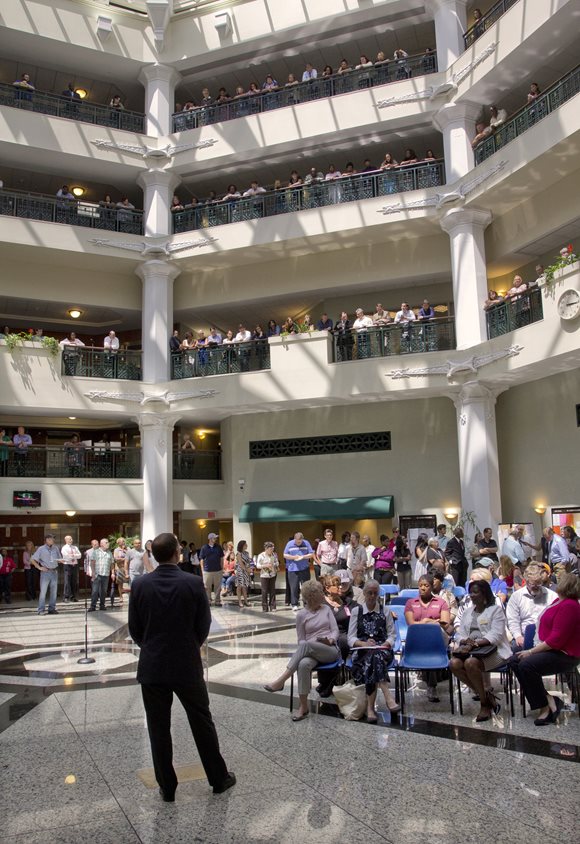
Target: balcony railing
[[36, 206], [508, 316], [221, 360], [490, 17], [304, 92], [71, 462], [435, 335], [317, 195], [88, 362], [197, 465], [555, 96], [83, 112]]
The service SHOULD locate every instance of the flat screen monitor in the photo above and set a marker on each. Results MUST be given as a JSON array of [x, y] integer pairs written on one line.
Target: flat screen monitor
[[26, 498]]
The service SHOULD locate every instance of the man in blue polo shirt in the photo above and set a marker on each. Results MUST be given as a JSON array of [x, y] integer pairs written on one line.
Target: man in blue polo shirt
[[46, 560], [297, 554], [211, 558]]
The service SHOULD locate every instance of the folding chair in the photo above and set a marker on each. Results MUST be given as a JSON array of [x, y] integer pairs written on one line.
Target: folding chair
[[459, 592], [409, 593], [398, 601], [326, 666], [425, 650]]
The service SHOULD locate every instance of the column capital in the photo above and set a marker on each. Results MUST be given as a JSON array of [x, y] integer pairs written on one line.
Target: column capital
[[162, 422], [457, 218], [159, 73], [456, 113], [474, 392], [160, 179], [157, 267]]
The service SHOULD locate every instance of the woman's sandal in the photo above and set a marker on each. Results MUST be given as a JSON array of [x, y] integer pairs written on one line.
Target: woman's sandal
[[299, 717], [272, 689], [493, 703]]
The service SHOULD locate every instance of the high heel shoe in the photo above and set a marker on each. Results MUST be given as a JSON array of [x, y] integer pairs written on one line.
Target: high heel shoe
[[493, 703]]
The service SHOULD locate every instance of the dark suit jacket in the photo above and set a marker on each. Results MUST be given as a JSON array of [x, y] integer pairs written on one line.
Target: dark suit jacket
[[169, 618], [455, 552]]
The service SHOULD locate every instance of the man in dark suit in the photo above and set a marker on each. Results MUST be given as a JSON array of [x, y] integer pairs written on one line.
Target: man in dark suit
[[455, 553], [169, 618]]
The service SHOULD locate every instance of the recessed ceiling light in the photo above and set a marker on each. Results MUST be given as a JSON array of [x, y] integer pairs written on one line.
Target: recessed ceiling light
[[74, 313], [70, 513], [72, 417], [81, 92], [78, 190]]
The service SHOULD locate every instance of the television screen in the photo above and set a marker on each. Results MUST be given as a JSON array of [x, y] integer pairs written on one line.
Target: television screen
[[26, 498]]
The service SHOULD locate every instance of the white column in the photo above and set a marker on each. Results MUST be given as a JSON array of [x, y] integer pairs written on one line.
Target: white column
[[478, 459], [456, 121], [159, 81], [156, 317], [158, 187], [450, 24], [466, 230], [156, 454]]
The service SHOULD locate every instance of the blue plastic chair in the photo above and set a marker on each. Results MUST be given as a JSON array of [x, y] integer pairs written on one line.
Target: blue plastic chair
[[326, 666], [400, 624], [398, 601], [425, 650], [459, 592], [409, 593], [388, 589]]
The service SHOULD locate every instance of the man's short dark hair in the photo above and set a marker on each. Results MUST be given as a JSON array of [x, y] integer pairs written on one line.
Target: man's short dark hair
[[164, 547], [49, 536]]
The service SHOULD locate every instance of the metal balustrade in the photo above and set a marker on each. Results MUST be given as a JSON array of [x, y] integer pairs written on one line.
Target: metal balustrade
[[197, 465], [71, 462], [507, 316], [317, 195], [555, 96], [79, 110], [89, 362], [221, 360], [304, 92], [436, 335], [37, 206], [486, 21]]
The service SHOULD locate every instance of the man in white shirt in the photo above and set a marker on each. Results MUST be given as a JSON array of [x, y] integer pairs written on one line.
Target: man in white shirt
[[244, 336], [361, 325], [404, 318], [70, 556], [512, 547], [356, 555], [526, 605], [111, 342], [70, 355], [309, 73], [369, 548], [254, 190]]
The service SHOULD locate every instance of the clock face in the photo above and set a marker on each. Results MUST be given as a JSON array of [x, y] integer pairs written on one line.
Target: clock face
[[569, 304]]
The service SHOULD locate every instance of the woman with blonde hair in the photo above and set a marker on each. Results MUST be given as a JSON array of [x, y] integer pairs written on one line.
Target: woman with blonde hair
[[317, 634]]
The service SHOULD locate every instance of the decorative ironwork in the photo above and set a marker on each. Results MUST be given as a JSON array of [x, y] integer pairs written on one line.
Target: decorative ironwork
[[555, 96], [507, 316], [304, 92], [487, 21], [73, 462], [221, 360], [197, 465], [317, 195], [310, 446], [79, 110], [88, 362], [431, 336], [72, 212]]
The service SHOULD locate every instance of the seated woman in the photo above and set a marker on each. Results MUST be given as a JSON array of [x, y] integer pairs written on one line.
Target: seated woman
[[342, 607], [427, 608], [372, 632], [510, 573], [557, 651], [317, 634], [482, 624]]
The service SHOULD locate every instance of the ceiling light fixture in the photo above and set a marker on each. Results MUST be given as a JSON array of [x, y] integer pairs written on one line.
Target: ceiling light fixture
[[81, 92], [70, 513], [450, 515], [74, 313], [540, 510], [78, 191], [72, 417]]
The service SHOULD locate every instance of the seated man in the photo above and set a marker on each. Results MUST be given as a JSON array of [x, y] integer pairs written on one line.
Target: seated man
[[525, 606], [482, 132]]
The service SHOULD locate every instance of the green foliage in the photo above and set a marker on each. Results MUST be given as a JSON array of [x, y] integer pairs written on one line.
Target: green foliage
[[51, 345], [13, 341], [564, 259]]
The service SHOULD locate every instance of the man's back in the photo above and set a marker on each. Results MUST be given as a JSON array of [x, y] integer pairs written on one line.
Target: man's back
[[169, 618]]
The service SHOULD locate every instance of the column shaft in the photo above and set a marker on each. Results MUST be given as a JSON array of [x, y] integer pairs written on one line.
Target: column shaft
[[456, 122], [158, 187], [450, 24], [157, 317], [159, 81], [157, 447]]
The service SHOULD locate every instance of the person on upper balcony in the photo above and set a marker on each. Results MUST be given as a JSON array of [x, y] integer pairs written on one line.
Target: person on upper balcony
[[400, 56], [493, 299], [116, 103], [71, 340], [405, 315], [381, 58], [176, 204], [270, 84], [70, 93], [309, 73], [111, 342], [254, 189], [328, 71], [243, 335], [533, 93], [324, 323], [24, 87], [364, 62], [388, 162], [233, 193], [497, 117], [410, 157], [64, 193], [291, 81], [206, 98], [344, 67], [313, 176], [174, 342], [426, 312], [481, 133], [381, 317], [518, 287]]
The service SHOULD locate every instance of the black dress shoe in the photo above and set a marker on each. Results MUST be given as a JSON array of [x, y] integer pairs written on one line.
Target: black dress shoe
[[167, 798], [53, 612], [227, 783]]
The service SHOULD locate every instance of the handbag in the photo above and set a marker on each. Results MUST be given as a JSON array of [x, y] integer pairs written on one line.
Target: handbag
[[351, 700], [485, 650]]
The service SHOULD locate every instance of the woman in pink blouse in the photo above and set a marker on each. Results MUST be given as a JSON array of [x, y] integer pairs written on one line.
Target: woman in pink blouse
[[557, 652], [427, 608], [317, 634]]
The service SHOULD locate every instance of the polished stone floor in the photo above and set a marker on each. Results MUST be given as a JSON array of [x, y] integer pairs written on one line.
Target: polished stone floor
[[76, 763]]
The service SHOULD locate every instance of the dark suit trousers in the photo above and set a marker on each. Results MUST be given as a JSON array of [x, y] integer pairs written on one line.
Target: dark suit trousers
[[194, 699]]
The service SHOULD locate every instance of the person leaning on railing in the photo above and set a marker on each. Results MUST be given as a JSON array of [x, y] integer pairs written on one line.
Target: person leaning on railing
[[493, 299]]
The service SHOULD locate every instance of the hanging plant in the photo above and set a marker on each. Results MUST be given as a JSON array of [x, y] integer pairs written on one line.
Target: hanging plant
[[567, 256]]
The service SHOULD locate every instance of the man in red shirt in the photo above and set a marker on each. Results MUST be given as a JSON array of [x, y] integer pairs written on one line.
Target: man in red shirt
[[7, 566]]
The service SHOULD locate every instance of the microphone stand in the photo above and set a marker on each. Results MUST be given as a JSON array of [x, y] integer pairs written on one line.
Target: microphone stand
[[86, 659]]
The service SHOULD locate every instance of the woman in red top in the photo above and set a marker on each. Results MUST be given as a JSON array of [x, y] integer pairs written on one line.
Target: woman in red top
[[427, 608], [558, 651]]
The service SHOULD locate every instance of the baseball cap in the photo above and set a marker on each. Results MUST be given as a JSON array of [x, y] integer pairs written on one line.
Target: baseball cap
[[485, 561], [212, 536], [345, 575]]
